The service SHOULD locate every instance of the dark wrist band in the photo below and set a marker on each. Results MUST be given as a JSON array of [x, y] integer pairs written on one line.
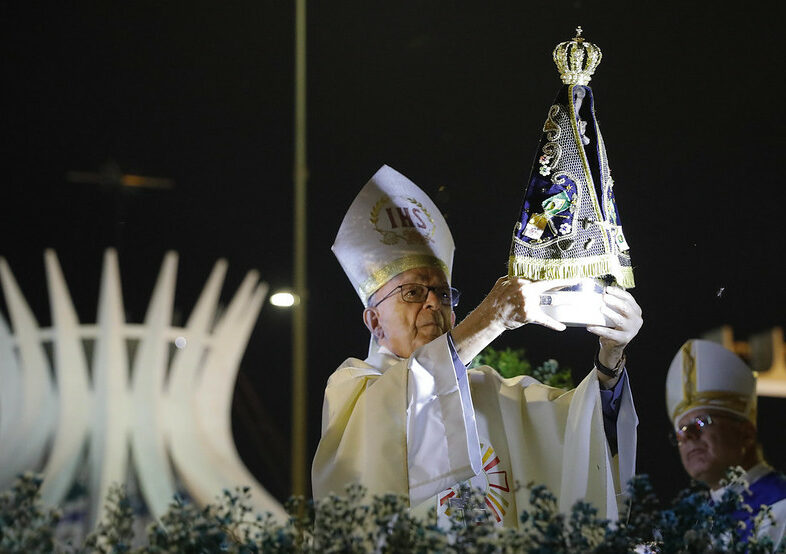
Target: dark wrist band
[[608, 371]]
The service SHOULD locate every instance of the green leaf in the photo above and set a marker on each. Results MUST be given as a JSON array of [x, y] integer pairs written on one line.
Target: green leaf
[[512, 362]]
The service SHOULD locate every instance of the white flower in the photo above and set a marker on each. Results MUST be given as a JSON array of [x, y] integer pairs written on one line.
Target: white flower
[[545, 170], [564, 229]]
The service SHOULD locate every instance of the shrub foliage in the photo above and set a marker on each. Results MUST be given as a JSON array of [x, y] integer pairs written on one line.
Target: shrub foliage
[[354, 524], [511, 362]]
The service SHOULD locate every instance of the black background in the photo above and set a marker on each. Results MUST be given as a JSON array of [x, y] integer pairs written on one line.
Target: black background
[[453, 95]]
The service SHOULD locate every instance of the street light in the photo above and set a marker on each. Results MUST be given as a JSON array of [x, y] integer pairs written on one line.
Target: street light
[[284, 299]]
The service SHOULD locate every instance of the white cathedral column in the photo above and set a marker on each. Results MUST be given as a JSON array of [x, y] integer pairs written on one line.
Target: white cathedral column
[[174, 420]]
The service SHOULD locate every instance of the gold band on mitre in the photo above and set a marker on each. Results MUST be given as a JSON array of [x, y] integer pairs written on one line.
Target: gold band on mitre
[[737, 404], [400, 265]]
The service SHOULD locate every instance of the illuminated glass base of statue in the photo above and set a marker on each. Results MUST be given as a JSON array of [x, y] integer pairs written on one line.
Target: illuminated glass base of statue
[[576, 304]]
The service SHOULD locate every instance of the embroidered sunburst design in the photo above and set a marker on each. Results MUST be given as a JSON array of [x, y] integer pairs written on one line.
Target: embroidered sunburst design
[[493, 480]]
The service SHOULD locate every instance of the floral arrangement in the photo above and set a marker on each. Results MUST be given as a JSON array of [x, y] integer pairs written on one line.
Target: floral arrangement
[[354, 524]]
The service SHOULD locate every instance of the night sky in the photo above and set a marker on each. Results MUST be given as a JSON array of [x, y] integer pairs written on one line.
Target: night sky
[[453, 95]]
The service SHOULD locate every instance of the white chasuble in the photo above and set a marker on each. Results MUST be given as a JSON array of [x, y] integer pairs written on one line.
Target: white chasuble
[[412, 427]]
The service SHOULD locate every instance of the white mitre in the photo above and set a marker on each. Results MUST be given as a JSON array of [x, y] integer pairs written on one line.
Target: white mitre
[[704, 375], [392, 226]]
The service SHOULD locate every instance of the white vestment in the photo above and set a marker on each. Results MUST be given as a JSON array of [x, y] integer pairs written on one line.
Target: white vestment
[[774, 530], [412, 427]]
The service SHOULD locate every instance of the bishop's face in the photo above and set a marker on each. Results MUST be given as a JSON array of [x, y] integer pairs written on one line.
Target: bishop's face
[[401, 326], [707, 452]]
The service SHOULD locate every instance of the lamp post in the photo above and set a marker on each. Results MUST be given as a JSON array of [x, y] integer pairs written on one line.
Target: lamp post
[[299, 315]]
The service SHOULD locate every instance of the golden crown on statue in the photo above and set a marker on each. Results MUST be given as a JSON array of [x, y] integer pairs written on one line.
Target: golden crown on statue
[[577, 59]]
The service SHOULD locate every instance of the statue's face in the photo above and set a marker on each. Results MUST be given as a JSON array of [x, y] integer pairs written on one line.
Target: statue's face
[[401, 326], [708, 449]]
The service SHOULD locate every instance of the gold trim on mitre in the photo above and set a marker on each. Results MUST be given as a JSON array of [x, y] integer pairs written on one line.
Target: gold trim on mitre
[[739, 404], [400, 265], [688, 373]]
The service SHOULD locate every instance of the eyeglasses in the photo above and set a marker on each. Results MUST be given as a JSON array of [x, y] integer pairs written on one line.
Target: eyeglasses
[[415, 292], [692, 430]]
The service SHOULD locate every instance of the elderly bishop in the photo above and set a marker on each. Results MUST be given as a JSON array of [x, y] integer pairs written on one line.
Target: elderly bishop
[[411, 419]]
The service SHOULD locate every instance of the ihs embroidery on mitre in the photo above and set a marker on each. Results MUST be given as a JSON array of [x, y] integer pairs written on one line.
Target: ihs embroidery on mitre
[[402, 219]]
